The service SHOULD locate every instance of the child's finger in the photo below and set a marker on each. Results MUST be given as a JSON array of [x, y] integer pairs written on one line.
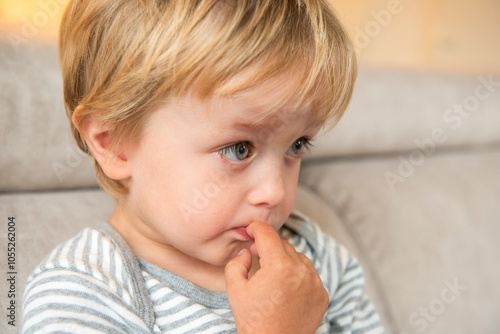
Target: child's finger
[[267, 240], [290, 250], [236, 270]]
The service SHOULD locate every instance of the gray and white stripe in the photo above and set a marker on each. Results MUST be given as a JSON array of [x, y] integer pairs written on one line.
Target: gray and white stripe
[[93, 283]]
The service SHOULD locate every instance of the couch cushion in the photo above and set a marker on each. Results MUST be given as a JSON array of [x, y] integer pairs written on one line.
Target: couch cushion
[[37, 150], [397, 110], [43, 220], [316, 208], [430, 242]]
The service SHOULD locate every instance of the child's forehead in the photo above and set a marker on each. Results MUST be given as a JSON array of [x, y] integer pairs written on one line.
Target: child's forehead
[[278, 96]]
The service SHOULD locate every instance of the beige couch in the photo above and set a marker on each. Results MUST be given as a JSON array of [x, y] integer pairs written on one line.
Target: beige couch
[[409, 181]]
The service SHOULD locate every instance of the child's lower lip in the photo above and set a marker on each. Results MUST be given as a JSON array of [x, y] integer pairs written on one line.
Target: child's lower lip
[[242, 231]]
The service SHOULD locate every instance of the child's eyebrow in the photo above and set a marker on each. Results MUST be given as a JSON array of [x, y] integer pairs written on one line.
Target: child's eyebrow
[[248, 126], [266, 120], [268, 123], [264, 124], [237, 129]]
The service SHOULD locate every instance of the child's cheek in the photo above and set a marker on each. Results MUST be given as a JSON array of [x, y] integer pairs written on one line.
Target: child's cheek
[[207, 198]]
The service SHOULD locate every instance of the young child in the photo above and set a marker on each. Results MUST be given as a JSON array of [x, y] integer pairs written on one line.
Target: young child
[[197, 114]]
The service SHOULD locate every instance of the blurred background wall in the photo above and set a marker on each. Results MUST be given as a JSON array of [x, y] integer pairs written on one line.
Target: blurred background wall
[[444, 35]]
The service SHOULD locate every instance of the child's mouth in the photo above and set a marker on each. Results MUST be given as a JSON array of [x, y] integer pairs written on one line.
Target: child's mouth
[[242, 231]]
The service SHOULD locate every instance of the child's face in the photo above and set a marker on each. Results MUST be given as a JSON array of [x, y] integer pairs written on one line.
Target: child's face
[[204, 171]]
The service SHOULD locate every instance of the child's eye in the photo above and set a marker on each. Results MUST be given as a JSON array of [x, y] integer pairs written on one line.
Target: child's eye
[[298, 147], [237, 152]]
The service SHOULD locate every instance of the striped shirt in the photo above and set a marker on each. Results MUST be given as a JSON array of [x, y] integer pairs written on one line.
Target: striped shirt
[[93, 283]]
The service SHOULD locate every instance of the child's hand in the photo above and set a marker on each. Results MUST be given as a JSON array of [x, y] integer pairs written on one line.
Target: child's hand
[[285, 295]]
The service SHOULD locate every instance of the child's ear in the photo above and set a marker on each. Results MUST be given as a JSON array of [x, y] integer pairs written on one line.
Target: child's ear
[[114, 163]]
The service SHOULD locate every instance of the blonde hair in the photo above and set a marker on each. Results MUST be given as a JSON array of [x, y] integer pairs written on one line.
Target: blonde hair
[[121, 58]]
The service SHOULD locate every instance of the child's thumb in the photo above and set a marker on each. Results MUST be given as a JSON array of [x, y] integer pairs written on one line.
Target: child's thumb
[[237, 269]]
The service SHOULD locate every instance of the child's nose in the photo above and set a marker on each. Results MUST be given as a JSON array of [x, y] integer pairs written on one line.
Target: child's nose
[[269, 188]]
